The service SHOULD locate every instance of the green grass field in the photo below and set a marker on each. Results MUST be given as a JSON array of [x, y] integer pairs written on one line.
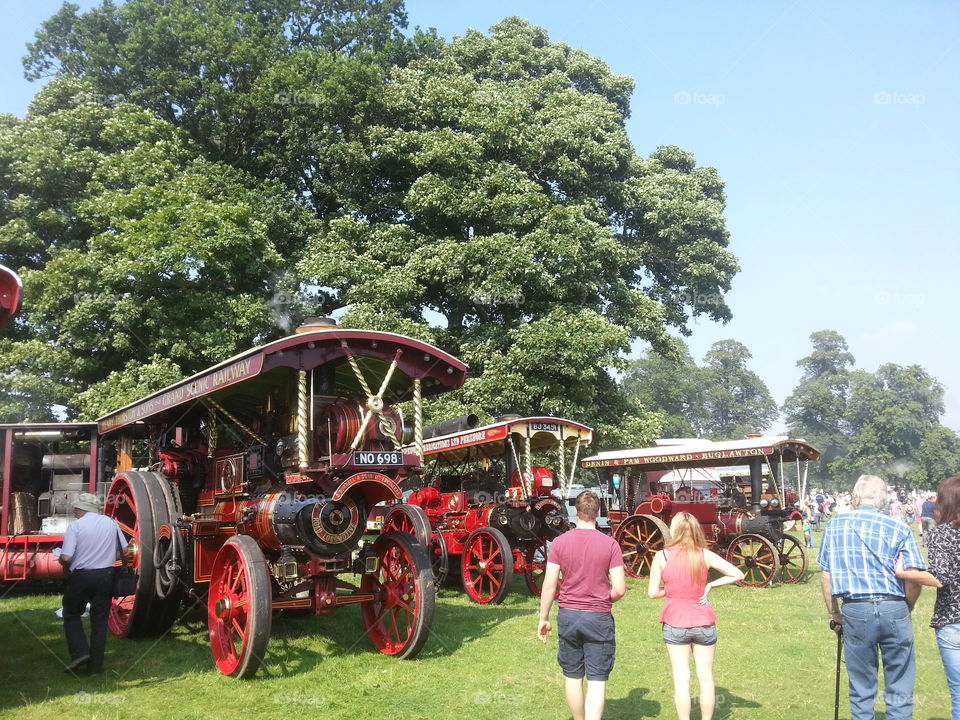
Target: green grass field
[[775, 659]]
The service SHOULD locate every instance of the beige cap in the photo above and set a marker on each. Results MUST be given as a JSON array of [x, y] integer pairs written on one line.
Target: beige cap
[[88, 502]]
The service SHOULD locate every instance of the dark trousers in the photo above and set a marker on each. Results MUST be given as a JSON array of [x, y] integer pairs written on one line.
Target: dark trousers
[[87, 586]]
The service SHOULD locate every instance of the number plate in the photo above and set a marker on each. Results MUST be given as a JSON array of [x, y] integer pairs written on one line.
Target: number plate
[[378, 457], [538, 426]]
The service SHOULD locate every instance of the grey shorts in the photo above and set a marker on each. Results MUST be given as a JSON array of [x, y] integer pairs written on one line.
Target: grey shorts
[[587, 643], [703, 635]]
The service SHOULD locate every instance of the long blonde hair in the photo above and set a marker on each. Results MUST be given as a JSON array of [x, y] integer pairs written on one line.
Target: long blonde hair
[[686, 534]]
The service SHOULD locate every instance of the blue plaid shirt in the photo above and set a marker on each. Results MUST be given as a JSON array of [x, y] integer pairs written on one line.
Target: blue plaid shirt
[[859, 550]]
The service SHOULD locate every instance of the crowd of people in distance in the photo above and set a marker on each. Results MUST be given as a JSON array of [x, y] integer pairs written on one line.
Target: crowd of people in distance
[[908, 506]]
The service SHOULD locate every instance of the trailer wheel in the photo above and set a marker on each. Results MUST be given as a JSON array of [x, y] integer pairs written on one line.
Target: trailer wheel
[[757, 557], [640, 538], [398, 620], [535, 565], [129, 504], [486, 566], [439, 558], [793, 560], [239, 607], [410, 519]]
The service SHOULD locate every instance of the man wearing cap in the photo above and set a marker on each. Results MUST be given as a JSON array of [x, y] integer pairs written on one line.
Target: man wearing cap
[[90, 549]]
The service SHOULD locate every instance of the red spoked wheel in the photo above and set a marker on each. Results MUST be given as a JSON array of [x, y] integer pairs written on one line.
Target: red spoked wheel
[[640, 538], [398, 620], [534, 565], [756, 557], [486, 566], [793, 560], [239, 605], [410, 519]]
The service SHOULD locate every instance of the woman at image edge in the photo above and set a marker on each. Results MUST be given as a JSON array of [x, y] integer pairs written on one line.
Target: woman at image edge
[[943, 561], [689, 621]]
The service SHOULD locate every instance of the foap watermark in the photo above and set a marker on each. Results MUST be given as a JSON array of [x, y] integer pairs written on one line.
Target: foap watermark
[[695, 299], [686, 97], [885, 97], [481, 298], [95, 698], [885, 297], [96, 98], [298, 698], [485, 697], [285, 98], [86, 298]]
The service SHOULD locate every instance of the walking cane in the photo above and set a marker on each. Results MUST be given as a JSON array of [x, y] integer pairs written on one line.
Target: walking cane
[[838, 629]]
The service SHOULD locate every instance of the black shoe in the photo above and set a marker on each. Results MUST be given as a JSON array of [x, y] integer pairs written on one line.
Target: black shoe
[[76, 663], [94, 671]]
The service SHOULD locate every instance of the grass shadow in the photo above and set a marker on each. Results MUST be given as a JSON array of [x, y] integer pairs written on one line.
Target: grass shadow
[[633, 706], [727, 701]]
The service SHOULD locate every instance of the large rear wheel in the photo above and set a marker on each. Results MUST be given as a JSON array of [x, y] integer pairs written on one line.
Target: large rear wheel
[[398, 620], [486, 566], [640, 538], [239, 605], [129, 504]]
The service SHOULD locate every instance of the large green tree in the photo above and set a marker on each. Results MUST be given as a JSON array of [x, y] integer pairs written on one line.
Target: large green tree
[[508, 211], [817, 408], [673, 386], [136, 251], [737, 401], [895, 431], [482, 194]]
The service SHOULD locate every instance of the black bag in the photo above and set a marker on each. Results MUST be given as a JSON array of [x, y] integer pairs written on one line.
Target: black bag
[[125, 578]]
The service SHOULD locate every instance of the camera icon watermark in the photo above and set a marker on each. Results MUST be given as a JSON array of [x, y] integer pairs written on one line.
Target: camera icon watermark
[[885, 297], [299, 699], [495, 299], [496, 697], [686, 97], [94, 698], [285, 98], [695, 299], [90, 298], [885, 97]]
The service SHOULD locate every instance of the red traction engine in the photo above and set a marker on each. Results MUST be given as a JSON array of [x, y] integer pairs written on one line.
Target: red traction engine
[[749, 532], [477, 523], [260, 474]]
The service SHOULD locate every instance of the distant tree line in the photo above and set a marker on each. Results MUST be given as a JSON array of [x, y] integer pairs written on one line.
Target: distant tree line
[[886, 422]]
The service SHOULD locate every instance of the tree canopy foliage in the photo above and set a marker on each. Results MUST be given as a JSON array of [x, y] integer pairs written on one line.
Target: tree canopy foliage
[[197, 164], [885, 423], [722, 400]]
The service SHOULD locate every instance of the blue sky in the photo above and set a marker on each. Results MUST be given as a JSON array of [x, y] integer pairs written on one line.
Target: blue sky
[[833, 124]]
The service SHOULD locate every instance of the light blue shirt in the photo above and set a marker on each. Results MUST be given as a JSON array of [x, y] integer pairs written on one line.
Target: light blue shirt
[[92, 541], [859, 550]]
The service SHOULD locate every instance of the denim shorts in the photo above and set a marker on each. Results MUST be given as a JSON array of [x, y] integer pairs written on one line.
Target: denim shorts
[[587, 643], [702, 635]]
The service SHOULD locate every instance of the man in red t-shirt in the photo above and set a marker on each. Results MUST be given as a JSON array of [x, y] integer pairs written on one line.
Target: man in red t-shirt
[[591, 564]]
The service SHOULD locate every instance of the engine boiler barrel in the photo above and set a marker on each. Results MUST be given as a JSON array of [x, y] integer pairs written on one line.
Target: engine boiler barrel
[[457, 424], [39, 564], [320, 524]]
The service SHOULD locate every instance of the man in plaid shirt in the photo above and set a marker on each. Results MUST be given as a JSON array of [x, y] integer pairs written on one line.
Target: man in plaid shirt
[[858, 555]]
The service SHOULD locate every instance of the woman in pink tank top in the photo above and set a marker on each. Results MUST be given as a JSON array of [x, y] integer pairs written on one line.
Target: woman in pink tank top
[[679, 574]]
